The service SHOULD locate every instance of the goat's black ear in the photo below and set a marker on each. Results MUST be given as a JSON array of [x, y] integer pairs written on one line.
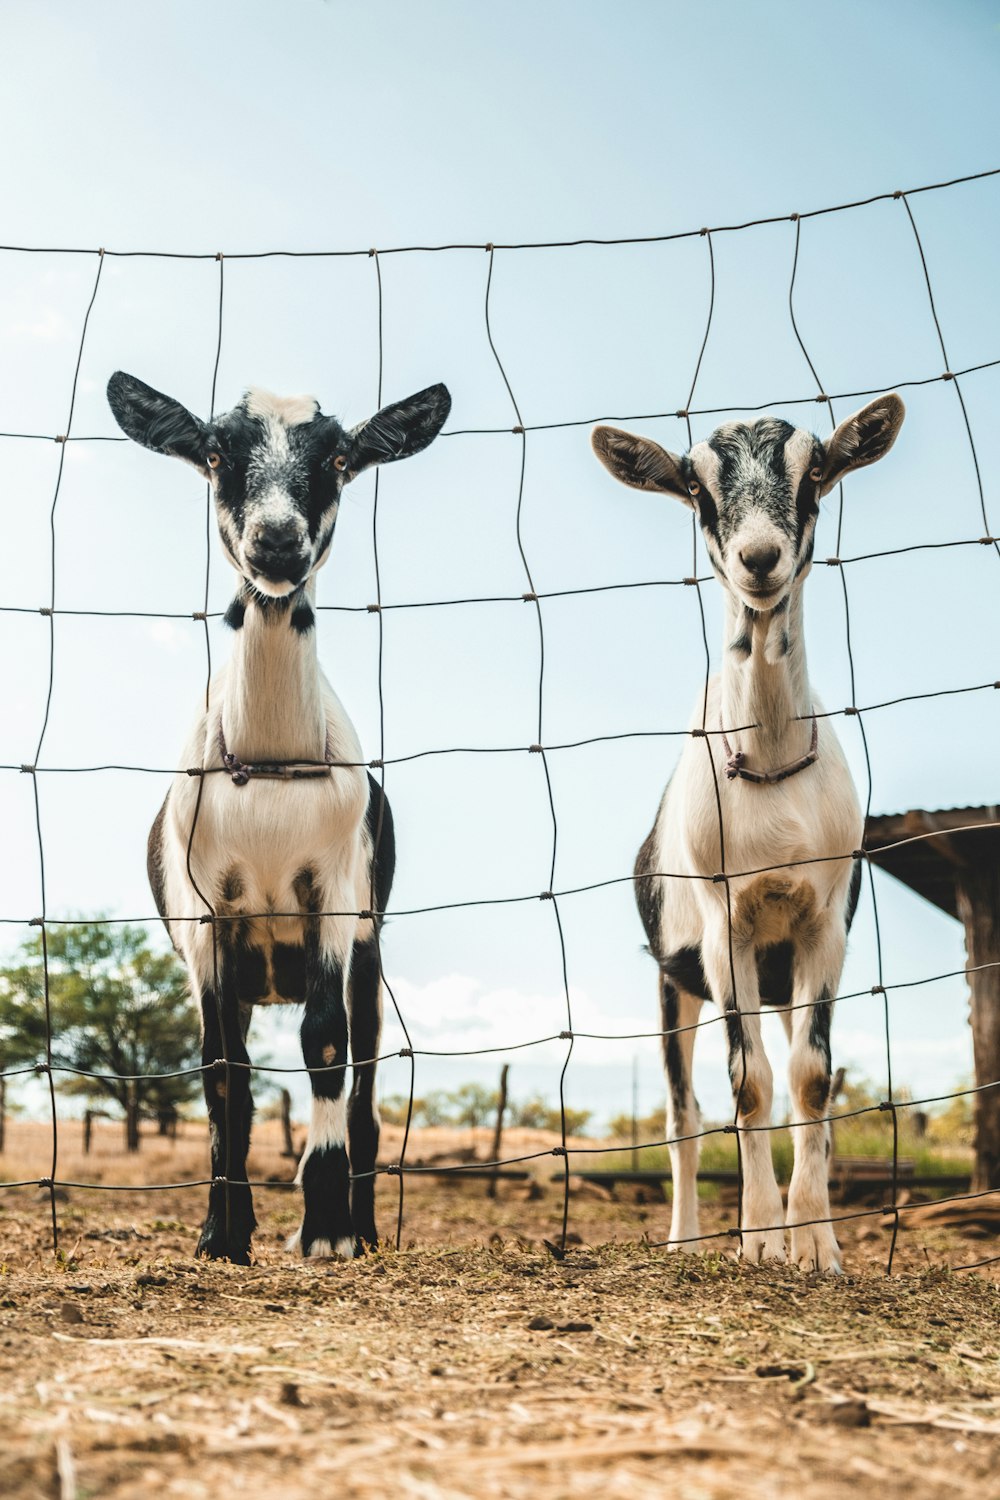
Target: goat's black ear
[[639, 462], [862, 439], [399, 430], [156, 421]]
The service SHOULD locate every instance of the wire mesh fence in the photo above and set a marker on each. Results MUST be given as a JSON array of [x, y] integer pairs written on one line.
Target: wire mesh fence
[[554, 895]]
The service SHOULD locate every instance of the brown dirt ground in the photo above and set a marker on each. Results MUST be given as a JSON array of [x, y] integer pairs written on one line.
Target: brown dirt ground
[[472, 1362]]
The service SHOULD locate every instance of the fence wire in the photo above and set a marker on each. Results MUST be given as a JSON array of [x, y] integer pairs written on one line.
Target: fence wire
[[891, 1105]]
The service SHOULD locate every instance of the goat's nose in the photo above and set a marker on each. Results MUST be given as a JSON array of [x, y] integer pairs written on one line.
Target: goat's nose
[[760, 561], [277, 551]]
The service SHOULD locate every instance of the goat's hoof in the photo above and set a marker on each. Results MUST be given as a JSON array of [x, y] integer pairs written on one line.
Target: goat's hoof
[[213, 1245], [816, 1249], [318, 1248], [761, 1247]]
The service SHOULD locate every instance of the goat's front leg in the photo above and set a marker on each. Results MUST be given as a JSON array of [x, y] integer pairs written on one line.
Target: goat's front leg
[[679, 1012], [324, 1173], [363, 1116], [230, 1220], [763, 1238], [817, 974]]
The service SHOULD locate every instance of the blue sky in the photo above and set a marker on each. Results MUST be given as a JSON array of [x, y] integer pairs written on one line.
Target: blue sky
[[312, 125]]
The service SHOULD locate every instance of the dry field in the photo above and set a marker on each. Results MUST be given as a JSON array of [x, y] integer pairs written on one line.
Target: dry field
[[473, 1362]]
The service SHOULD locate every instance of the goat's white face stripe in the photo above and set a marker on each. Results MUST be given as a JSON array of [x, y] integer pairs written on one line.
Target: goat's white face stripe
[[758, 535], [706, 465], [285, 411]]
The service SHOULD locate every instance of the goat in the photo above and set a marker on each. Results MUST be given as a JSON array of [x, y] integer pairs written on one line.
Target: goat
[[283, 838], [776, 938]]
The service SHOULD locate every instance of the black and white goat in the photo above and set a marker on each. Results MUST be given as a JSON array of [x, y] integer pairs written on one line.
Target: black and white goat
[[756, 490], [281, 845]]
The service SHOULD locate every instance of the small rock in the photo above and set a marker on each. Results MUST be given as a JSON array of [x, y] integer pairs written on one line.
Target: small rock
[[290, 1394], [575, 1328], [851, 1414], [70, 1312], [541, 1324], [148, 1279], [276, 1307]]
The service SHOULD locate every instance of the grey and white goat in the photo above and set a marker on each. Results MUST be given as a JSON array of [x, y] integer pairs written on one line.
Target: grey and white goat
[[285, 838], [787, 799]]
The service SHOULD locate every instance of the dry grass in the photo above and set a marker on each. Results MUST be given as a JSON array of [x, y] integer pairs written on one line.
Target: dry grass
[[126, 1365]]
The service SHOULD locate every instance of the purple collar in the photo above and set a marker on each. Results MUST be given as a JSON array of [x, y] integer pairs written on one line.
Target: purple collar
[[271, 770], [736, 760]]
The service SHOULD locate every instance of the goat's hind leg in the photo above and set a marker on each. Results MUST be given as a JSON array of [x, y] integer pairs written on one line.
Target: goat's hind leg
[[679, 1013], [230, 1221], [365, 999], [814, 1245], [762, 1237]]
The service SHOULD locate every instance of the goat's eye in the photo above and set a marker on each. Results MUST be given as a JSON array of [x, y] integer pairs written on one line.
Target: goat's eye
[[816, 475], [213, 460], [340, 462], [694, 488]]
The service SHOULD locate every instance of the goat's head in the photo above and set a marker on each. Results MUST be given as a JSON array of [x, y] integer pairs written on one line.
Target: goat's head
[[277, 466], [756, 488]]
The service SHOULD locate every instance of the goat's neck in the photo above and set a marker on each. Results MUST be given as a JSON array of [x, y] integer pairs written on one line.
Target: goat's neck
[[765, 682], [272, 706]]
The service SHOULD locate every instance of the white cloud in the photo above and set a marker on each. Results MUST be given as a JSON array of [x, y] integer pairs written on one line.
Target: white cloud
[[48, 325]]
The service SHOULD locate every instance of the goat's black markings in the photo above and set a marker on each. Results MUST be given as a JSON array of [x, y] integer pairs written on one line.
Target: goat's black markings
[[819, 1027], [288, 966], [154, 863], [362, 1117], [303, 619], [236, 613], [672, 1059], [250, 973], [325, 1169], [649, 892], [853, 894], [774, 973], [230, 1220], [684, 967], [231, 888]]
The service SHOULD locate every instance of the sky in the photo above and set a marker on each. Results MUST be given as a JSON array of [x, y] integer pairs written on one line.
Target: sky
[[328, 125]]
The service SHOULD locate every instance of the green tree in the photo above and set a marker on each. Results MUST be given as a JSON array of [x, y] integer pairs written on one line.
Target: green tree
[[474, 1105], [537, 1114], [118, 1008]]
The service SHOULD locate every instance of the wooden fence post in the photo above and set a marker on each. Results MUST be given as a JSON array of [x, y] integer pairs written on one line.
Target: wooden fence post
[[288, 1148], [491, 1186]]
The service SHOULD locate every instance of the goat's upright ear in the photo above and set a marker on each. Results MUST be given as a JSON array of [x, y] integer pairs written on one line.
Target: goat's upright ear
[[400, 430], [156, 421], [639, 462], [862, 439]]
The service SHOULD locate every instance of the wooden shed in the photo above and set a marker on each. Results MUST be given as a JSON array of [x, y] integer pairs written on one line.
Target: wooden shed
[[957, 867]]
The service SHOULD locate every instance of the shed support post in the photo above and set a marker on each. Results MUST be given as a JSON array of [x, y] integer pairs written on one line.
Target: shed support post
[[978, 899]]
